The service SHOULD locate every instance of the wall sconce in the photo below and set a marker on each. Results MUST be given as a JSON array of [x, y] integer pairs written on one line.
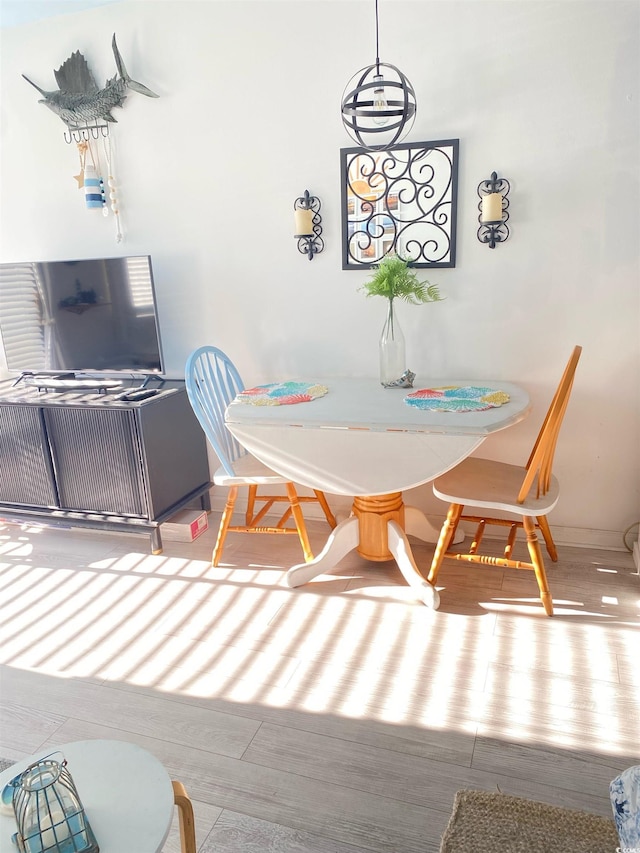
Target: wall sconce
[[308, 225], [493, 210]]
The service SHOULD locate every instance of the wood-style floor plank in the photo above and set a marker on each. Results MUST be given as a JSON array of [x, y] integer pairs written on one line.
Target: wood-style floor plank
[[238, 833], [589, 774], [152, 716], [340, 717]]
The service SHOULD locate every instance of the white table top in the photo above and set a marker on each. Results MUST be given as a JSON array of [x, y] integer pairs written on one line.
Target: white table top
[[365, 404], [126, 793], [363, 439]]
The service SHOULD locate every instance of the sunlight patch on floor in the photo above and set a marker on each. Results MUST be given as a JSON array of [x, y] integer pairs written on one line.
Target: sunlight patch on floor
[[354, 647]]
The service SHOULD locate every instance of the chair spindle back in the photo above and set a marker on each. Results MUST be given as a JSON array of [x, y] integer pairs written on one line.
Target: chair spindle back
[[212, 382], [540, 464]]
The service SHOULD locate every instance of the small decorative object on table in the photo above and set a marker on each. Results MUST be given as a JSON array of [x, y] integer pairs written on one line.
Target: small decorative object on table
[[393, 279], [48, 810], [405, 381]]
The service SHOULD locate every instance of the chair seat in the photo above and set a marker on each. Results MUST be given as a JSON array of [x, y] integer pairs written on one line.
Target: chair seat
[[493, 485], [248, 471]]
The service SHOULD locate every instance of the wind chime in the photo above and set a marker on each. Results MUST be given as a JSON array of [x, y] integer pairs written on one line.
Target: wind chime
[[86, 110], [90, 178]]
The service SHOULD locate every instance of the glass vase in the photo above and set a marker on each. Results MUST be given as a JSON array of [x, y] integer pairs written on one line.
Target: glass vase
[[392, 348]]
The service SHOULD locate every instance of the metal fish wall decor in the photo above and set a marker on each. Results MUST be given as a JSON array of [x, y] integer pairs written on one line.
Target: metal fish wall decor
[[78, 101]]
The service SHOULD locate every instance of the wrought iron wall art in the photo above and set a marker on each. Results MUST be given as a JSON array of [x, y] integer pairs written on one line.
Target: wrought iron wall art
[[493, 210], [308, 226], [401, 200]]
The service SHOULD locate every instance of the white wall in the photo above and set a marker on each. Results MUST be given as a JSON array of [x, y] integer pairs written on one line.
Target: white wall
[[545, 93]]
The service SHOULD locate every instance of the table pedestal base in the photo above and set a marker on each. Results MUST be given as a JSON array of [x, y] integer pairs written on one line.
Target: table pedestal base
[[378, 530]]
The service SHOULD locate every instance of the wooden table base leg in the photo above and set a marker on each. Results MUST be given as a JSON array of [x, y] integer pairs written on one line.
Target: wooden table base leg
[[401, 550], [342, 539], [373, 514], [376, 530]]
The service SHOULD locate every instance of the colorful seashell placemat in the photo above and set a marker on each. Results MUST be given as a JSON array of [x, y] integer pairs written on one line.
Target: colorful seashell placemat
[[282, 393], [456, 398]]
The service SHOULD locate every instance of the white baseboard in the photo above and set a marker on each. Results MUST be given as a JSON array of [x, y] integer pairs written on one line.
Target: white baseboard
[[579, 537], [583, 537]]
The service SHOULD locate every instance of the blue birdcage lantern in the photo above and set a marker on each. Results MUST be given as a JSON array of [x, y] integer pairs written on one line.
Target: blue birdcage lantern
[[48, 810]]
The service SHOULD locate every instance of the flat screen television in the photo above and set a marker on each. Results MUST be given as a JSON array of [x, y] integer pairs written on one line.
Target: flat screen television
[[95, 316]]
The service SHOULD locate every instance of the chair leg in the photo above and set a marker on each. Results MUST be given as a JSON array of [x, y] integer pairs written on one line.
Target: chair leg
[[543, 524], [326, 508], [251, 502], [533, 544], [185, 814], [298, 517], [225, 521], [446, 537]]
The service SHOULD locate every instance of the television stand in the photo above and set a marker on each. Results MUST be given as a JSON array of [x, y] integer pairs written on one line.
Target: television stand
[[89, 460]]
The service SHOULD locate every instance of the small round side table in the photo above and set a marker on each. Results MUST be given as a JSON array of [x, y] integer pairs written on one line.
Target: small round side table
[[126, 793]]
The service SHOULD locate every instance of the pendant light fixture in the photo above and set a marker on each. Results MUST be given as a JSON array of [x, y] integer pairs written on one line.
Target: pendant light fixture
[[378, 104]]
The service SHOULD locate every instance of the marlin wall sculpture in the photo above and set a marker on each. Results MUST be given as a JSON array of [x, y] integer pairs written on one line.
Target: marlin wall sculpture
[[78, 101]]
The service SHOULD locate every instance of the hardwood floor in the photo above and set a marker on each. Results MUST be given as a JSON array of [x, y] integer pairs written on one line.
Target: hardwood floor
[[339, 717]]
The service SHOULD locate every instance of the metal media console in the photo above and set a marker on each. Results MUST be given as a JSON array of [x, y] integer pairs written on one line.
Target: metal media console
[[80, 458]]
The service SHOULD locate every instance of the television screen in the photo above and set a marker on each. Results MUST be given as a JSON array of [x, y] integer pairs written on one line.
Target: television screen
[[96, 315]]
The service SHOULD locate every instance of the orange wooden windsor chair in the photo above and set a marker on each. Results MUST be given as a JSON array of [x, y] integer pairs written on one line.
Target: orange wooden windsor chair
[[531, 492]]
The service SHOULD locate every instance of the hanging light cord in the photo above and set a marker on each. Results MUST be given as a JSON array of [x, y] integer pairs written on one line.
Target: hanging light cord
[[377, 48]]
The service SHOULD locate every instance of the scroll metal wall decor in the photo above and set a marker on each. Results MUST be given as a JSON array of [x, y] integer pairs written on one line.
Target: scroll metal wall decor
[[403, 201]]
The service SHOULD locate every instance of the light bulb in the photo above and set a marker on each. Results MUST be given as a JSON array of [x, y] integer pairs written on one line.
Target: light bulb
[[379, 102]]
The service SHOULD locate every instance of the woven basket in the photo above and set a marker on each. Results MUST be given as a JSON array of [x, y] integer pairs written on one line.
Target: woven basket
[[485, 822]]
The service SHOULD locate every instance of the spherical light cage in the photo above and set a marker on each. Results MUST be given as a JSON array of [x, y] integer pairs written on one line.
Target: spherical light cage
[[362, 117]]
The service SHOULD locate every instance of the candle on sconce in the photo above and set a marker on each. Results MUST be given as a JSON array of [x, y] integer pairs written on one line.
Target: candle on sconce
[[492, 207], [304, 222]]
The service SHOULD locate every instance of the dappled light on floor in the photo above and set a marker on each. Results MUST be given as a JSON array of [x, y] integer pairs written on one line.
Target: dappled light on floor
[[353, 644]]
